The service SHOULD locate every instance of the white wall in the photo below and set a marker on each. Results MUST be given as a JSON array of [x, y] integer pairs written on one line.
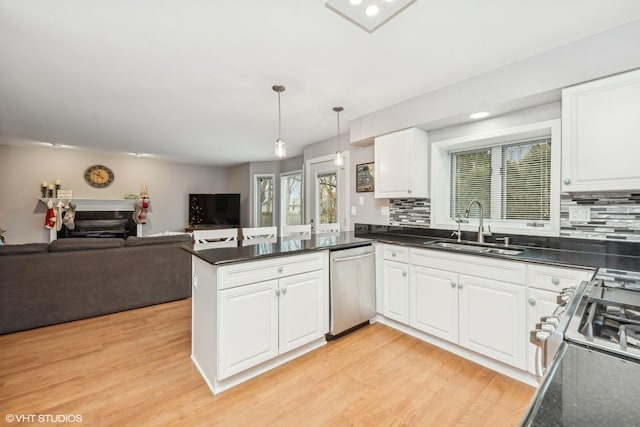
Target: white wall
[[527, 81], [23, 168]]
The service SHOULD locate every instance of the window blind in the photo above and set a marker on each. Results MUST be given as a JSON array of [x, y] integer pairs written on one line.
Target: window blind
[[512, 181]]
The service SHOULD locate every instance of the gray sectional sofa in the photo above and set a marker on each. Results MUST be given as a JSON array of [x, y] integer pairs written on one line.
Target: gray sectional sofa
[[44, 284]]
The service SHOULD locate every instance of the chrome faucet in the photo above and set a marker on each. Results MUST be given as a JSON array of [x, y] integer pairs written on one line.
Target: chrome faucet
[[480, 219]]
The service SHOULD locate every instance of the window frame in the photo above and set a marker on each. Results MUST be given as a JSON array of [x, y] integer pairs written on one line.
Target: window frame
[[441, 181]]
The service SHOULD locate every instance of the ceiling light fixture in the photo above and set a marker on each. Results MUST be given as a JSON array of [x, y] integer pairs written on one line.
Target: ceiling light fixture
[[280, 147], [369, 14], [339, 160], [479, 115]]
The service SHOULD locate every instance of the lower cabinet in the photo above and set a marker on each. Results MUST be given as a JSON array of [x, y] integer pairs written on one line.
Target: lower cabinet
[[259, 321], [493, 319], [481, 314], [395, 288], [434, 302]]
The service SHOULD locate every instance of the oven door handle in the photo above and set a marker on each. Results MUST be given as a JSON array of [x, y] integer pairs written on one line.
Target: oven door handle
[[538, 362]]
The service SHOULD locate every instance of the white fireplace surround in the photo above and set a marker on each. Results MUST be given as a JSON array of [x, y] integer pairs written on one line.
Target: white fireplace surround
[[96, 205]]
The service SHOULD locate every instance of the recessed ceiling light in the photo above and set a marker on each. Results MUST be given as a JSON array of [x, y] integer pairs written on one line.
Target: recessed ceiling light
[[479, 115], [376, 12], [372, 10]]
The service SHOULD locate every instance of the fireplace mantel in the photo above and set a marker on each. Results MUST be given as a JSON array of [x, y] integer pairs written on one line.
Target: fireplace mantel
[[95, 205]]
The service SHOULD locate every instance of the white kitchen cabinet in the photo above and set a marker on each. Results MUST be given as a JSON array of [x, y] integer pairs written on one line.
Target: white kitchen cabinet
[[395, 288], [249, 317], [493, 319], [402, 164], [302, 314], [544, 283], [433, 296], [600, 134], [248, 335], [539, 303]]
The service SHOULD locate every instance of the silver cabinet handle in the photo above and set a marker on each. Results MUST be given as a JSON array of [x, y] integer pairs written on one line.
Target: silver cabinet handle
[[532, 301], [283, 290], [409, 191], [453, 284], [404, 273], [279, 269], [277, 291], [460, 285], [566, 181], [555, 280], [393, 253]]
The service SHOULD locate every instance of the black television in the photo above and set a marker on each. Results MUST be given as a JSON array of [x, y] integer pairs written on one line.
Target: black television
[[214, 209]]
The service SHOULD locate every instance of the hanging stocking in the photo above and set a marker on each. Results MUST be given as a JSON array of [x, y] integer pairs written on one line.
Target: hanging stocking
[[143, 211], [69, 216], [50, 218], [59, 212]]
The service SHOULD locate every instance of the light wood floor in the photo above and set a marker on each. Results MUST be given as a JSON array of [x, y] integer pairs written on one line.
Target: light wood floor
[[133, 368]]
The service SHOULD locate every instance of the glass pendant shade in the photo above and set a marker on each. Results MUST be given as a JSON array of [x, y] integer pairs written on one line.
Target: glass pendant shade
[[280, 148], [339, 159]]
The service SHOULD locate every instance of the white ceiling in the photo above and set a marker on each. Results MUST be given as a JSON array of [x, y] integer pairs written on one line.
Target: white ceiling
[[191, 80]]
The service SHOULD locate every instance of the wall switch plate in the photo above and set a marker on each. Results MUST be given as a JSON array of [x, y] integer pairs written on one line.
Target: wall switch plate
[[361, 201], [353, 210], [579, 214], [384, 210]]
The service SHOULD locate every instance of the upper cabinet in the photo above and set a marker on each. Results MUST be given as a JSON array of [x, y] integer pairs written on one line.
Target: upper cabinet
[[601, 134], [402, 164]]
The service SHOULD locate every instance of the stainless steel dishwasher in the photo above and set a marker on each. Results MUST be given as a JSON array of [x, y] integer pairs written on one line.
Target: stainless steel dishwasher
[[352, 289]]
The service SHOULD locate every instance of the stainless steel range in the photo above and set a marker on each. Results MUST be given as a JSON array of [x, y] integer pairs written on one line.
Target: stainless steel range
[[589, 350], [603, 314], [608, 316]]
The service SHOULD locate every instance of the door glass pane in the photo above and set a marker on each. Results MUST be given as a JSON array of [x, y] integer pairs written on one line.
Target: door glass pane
[[264, 201], [291, 190], [327, 197]]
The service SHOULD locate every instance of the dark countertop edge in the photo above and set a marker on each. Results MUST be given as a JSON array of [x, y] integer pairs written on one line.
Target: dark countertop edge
[[362, 241]]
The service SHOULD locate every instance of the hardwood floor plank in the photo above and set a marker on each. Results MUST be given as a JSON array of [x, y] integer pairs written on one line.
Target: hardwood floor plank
[[134, 368]]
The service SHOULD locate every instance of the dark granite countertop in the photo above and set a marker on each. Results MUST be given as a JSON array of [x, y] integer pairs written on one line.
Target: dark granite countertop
[[248, 250], [545, 250], [587, 388]]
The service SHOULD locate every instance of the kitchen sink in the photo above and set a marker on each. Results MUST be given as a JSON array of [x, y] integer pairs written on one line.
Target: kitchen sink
[[469, 247]]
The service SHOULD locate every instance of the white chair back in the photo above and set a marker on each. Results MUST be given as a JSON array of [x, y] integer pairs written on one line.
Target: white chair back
[[296, 230], [222, 235], [215, 245], [328, 228], [259, 241], [259, 232]]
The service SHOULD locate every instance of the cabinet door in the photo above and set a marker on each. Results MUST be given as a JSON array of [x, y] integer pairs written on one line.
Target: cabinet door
[[539, 303], [600, 129], [396, 291], [493, 320], [402, 160], [247, 327], [303, 309], [434, 302]]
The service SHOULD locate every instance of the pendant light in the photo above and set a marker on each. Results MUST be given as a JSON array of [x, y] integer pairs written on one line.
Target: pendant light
[[280, 147], [339, 160]]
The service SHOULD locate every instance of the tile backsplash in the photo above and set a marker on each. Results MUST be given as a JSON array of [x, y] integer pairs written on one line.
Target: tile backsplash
[[410, 212], [600, 216]]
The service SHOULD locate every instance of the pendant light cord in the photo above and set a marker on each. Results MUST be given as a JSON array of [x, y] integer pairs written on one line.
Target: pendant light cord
[[279, 119]]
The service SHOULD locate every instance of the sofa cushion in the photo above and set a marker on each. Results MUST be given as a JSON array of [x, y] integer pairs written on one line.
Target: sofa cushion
[[84, 243], [27, 248], [158, 240]]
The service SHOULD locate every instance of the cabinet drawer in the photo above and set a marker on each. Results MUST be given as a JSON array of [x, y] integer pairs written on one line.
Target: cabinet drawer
[[257, 271], [553, 278], [475, 265], [396, 253]]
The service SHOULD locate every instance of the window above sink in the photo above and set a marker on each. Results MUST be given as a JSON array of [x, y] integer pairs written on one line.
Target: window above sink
[[515, 172]]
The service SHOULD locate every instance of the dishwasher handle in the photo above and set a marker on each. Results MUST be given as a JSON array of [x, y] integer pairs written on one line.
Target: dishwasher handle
[[349, 258]]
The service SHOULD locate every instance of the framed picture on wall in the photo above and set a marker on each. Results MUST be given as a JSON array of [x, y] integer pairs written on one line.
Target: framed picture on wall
[[365, 178]]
